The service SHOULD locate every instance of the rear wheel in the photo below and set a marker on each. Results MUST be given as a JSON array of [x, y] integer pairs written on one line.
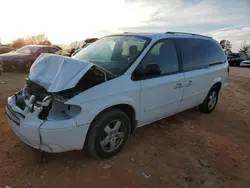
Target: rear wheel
[[210, 102], [108, 134]]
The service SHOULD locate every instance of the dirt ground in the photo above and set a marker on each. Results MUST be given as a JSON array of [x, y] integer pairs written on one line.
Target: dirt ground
[[189, 149]]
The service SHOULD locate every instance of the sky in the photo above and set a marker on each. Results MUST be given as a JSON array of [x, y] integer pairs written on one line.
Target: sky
[[65, 21]]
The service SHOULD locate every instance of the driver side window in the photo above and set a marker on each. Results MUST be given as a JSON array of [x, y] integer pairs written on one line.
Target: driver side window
[[163, 54]]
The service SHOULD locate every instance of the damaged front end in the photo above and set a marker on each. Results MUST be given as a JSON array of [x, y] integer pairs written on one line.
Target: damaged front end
[[41, 105], [51, 83]]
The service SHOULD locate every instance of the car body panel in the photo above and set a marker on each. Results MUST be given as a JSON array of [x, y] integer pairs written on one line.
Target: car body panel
[[5, 49], [15, 60], [198, 83], [245, 63], [151, 99], [155, 97], [105, 95], [49, 136]]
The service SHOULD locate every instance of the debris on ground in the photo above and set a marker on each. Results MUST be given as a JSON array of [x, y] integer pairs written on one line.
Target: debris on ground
[[203, 162], [107, 166], [6, 186], [103, 177], [189, 179], [145, 175]]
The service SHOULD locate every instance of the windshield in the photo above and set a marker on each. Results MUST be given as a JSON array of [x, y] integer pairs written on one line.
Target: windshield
[[114, 53], [27, 50]]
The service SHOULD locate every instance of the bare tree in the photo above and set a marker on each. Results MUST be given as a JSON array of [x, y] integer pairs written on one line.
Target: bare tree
[[90, 40], [226, 45], [37, 39], [18, 43], [245, 48], [76, 44]]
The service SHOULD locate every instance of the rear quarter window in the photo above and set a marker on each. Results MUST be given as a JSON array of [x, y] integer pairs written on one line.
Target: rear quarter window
[[199, 53], [52, 50]]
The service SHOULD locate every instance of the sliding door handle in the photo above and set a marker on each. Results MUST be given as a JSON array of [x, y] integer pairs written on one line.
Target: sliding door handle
[[189, 83], [177, 86]]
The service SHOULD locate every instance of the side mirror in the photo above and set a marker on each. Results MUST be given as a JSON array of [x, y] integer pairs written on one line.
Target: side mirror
[[152, 69]]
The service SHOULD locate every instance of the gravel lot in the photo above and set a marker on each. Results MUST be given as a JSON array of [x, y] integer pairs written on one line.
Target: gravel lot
[[189, 149]]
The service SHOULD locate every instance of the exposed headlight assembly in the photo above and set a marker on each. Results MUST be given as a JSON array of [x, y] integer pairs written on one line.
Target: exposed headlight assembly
[[57, 110]]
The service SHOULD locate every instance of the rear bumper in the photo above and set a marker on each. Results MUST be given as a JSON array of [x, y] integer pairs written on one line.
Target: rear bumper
[[46, 135]]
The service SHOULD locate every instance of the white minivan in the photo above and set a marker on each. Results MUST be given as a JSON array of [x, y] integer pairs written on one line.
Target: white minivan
[[95, 99]]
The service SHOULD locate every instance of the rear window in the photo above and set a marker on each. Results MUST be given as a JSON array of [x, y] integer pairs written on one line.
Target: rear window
[[234, 55], [199, 53]]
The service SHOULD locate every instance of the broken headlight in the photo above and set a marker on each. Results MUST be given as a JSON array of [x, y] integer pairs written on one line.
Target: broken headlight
[[57, 111]]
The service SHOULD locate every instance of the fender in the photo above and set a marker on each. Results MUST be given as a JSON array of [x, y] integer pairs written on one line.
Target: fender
[[92, 108], [216, 80]]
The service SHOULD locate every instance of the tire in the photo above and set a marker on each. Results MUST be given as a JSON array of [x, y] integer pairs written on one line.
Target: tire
[[210, 101], [103, 137]]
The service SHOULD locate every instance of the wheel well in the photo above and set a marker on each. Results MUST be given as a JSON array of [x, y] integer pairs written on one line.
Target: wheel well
[[129, 110], [217, 85]]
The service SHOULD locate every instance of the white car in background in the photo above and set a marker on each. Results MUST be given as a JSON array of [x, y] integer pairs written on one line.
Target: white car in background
[[245, 63], [95, 99]]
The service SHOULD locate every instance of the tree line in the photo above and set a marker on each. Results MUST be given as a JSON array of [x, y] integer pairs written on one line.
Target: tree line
[[227, 46], [41, 39]]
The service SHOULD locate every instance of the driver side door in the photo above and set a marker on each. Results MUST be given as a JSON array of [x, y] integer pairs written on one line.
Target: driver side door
[[161, 94]]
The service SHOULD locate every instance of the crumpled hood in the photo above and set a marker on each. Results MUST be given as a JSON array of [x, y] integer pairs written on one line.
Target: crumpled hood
[[57, 73]]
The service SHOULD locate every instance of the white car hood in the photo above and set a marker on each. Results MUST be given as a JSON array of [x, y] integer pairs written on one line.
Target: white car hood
[[57, 73]]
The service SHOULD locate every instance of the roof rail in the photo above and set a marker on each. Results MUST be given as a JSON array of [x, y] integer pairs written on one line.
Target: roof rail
[[170, 32]]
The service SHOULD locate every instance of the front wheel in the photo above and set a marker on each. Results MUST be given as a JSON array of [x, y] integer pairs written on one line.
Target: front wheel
[[108, 134], [210, 102]]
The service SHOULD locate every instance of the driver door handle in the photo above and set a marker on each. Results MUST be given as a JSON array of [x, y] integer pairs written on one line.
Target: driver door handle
[[189, 83], [177, 86]]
